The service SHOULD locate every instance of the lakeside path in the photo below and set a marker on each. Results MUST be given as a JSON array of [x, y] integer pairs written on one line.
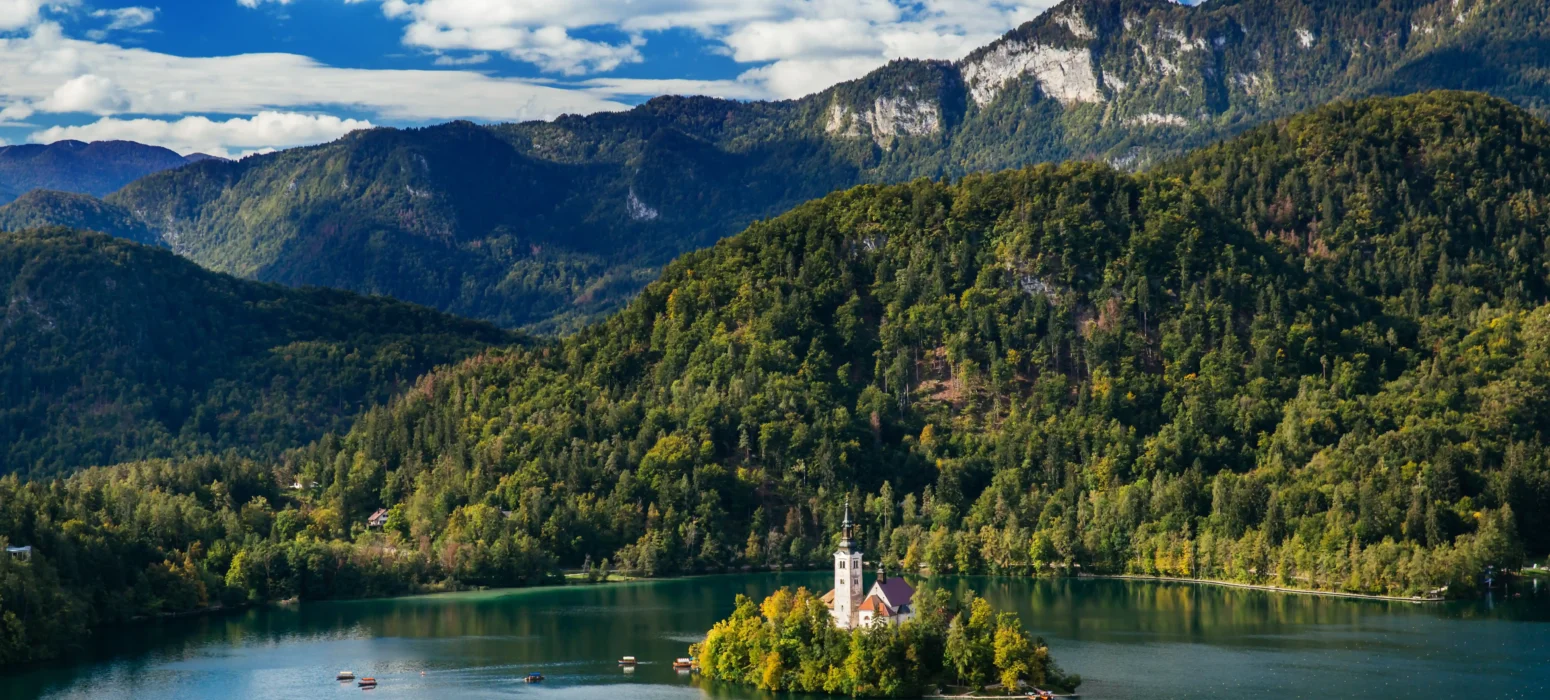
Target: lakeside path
[[1262, 587]]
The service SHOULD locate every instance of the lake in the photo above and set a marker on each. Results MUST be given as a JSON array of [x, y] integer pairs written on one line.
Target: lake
[[1128, 639]]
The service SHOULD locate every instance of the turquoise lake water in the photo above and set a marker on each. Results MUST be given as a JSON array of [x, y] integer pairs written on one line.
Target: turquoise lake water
[[1128, 639]]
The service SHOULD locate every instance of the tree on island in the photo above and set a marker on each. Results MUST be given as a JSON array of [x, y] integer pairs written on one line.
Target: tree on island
[[790, 643]]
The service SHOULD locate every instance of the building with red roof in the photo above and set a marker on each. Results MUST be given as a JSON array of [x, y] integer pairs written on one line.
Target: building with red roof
[[889, 600]]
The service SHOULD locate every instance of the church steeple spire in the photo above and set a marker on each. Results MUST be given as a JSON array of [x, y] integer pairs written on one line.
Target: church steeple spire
[[846, 529]]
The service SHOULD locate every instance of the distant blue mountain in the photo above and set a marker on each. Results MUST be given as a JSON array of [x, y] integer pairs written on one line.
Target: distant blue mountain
[[95, 168]]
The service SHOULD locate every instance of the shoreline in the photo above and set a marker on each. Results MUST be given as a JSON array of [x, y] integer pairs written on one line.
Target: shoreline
[[567, 580], [1265, 587]]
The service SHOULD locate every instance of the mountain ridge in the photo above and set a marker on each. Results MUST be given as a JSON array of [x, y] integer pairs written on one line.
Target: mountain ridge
[[592, 206], [96, 168]]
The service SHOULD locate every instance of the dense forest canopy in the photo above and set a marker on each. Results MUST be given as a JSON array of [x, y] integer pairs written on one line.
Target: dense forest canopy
[[549, 225], [1265, 362], [53, 208], [112, 351], [1056, 365]]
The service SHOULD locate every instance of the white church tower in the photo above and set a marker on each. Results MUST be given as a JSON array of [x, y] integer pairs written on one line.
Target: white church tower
[[847, 577]]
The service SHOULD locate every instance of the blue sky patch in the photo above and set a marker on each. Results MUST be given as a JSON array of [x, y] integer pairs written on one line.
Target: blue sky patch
[[232, 77]]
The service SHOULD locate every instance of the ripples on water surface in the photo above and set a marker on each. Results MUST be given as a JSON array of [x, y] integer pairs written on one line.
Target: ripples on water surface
[[1127, 639]]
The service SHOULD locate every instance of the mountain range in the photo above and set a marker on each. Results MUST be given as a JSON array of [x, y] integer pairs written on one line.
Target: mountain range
[[545, 225], [95, 168], [1313, 356]]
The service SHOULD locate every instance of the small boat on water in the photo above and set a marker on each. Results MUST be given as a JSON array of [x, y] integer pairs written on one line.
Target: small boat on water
[[345, 676], [533, 678], [368, 682], [628, 661], [683, 663]]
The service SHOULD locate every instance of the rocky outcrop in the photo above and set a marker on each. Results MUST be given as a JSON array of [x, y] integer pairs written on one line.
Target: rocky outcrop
[[1155, 119], [1066, 75], [886, 119]]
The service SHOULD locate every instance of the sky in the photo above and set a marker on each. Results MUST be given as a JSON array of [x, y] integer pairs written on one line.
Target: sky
[[234, 77]]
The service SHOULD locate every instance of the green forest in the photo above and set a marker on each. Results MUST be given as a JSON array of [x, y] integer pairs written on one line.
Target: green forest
[[113, 352], [789, 643], [1312, 356], [51, 208]]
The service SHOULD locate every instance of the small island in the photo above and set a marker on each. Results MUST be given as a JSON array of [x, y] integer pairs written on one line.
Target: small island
[[892, 642]]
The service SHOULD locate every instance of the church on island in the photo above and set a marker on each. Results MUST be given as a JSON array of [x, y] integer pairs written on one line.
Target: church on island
[[888, 600]]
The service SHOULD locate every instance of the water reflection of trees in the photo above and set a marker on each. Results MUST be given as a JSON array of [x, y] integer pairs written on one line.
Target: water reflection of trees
[[654, 619], [1115, 610]]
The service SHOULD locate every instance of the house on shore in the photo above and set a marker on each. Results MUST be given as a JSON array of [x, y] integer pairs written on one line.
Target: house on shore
[[377, 519]]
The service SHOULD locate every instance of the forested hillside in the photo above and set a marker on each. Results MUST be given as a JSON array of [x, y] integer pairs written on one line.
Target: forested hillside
[[458, 218], [112, 351], [1265, 362], [1433, 205], [47, 208], [546, 225], [1058, 365]]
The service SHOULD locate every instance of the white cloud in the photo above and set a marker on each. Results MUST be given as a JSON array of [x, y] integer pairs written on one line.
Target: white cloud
[[14, 112], [472, 60], [48, 71], [550, 48], [126, 17], [802, 37], [793, 47], [19, 14], [45, 72], [797, 77], [230, 138], [256, 3], [86, 93]]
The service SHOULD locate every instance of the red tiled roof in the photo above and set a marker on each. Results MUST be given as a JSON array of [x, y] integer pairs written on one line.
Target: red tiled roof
[[828, 598], [876, 606]]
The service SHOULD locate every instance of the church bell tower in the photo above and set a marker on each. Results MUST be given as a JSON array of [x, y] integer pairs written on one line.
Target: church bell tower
[[847, 576]]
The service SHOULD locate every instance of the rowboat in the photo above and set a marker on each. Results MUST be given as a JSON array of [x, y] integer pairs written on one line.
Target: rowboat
[[368, 682], [628, 661], [345, 676]]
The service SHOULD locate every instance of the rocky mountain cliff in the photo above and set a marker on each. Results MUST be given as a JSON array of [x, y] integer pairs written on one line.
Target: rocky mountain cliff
[[546, 224]]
